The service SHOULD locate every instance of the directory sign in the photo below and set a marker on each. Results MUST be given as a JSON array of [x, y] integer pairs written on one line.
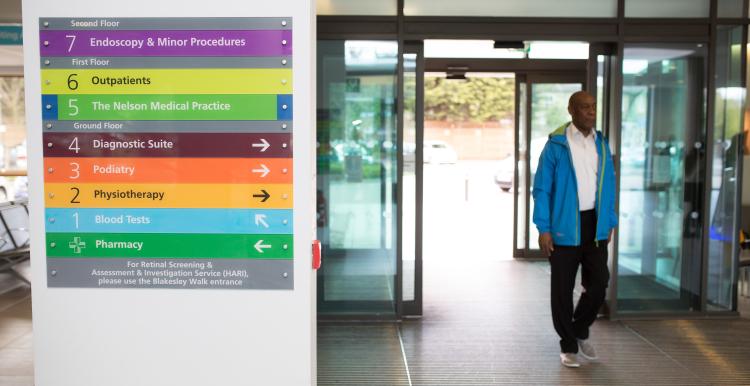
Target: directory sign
[[168, 152]]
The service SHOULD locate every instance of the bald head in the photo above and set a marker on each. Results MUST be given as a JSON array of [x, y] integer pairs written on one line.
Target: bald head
[[582, 109]]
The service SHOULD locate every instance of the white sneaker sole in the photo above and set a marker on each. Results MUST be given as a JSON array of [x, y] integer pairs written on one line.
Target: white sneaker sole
[[571, 365], [588, 357], [583, 354]]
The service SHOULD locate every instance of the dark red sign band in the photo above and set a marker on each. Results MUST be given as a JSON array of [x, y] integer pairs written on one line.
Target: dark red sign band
[[222, 145]]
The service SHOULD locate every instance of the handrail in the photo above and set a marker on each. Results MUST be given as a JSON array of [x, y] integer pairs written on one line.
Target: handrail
[[13, 173]]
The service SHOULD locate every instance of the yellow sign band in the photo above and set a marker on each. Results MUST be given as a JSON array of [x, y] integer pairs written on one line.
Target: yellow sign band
[[167, 81], [265, 196]]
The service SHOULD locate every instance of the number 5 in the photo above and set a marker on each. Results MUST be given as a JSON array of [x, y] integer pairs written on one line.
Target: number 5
[[73, 107]]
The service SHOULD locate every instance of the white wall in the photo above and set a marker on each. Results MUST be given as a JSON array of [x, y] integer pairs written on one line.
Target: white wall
[[160, 337]]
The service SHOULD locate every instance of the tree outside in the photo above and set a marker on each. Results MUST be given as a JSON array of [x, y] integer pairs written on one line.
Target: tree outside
[[474, 116]]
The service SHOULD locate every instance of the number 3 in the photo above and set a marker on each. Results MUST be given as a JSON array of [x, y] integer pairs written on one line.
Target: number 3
[[76, 169]]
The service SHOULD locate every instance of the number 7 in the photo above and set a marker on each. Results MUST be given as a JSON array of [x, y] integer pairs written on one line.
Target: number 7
[[72, 40]]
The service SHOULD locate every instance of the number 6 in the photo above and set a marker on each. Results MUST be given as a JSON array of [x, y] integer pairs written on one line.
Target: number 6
[[72, 83]]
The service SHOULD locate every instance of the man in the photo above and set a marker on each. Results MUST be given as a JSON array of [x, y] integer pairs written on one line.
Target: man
[[574, 211]]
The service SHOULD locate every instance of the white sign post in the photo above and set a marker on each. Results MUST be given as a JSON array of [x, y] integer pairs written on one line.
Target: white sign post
[[171, 164]]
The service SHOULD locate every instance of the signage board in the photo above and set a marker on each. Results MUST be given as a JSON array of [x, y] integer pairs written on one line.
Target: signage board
[[171, 173]]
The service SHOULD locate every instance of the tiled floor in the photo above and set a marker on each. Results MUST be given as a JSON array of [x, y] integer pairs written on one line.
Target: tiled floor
[[16, 358], [488, 325]]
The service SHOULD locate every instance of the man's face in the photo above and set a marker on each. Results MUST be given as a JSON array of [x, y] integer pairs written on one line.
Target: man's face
[[583, 111]]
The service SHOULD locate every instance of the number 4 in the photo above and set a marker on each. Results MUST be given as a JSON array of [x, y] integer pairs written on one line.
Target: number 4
[[74, 145]]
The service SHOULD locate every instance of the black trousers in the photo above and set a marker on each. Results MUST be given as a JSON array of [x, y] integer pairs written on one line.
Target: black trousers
[[573, 324]]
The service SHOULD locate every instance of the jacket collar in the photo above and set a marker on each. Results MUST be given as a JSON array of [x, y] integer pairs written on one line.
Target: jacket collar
[[558, 135]]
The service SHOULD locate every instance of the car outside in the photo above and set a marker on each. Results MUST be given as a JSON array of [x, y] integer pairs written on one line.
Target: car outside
[[439, 152], [504, 174]]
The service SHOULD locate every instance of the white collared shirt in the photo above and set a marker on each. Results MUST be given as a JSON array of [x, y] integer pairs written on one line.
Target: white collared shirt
[[586, 164]]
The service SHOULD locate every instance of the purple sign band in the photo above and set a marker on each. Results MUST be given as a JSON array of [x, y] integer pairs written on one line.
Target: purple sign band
[[166, 43], [220, 145]]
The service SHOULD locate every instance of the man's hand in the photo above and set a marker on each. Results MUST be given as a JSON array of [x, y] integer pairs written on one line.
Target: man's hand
[[611, 232], [545, 243]]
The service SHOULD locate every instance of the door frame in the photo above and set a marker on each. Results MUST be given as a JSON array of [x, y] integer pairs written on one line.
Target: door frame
[[411, 308], [536, 69], [524, 128]]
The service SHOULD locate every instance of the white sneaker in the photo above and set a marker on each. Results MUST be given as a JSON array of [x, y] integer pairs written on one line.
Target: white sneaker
[[587, 349], [569, 359]]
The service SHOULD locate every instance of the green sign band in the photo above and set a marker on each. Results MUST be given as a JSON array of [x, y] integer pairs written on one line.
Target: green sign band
[[169, 245], [167, 107]]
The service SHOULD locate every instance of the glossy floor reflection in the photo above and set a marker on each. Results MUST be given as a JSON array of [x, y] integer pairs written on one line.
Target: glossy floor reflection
[[16, 355], [485, 323], [488, 323]]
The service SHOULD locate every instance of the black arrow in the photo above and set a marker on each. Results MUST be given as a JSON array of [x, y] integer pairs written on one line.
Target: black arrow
[[265, 195]]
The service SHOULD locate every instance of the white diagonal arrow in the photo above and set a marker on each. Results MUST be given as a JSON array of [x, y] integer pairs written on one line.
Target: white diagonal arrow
[[260, 219], [259, 246], [264, 145], [263, 170]]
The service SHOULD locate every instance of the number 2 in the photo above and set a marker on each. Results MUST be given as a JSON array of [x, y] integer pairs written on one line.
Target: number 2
[[74, 200]]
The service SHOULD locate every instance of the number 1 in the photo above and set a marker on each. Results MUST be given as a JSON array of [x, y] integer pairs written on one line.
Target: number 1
[[76, 217]]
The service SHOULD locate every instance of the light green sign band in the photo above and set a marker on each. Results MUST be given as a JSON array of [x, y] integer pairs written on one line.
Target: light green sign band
[[167, 107]]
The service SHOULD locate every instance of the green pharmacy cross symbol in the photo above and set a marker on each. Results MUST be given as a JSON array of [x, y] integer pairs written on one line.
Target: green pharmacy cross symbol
[[77, 245]]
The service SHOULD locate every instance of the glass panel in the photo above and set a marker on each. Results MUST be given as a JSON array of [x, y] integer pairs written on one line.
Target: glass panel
[[549, 110], [521, 164], [13, 139], [528, 8], [600, 92], [357, 7], [468, 168], [729, 8], [447, 48], [409, 201], [558, 50], [357, 175], [730, 94], [663, 122], [666, 8]]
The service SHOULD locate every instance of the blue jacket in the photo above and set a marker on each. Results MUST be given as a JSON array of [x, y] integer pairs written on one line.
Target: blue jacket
[[556, 191]]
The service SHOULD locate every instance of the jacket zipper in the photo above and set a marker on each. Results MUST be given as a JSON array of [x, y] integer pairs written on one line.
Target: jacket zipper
[[601, 185], [578, 211]]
